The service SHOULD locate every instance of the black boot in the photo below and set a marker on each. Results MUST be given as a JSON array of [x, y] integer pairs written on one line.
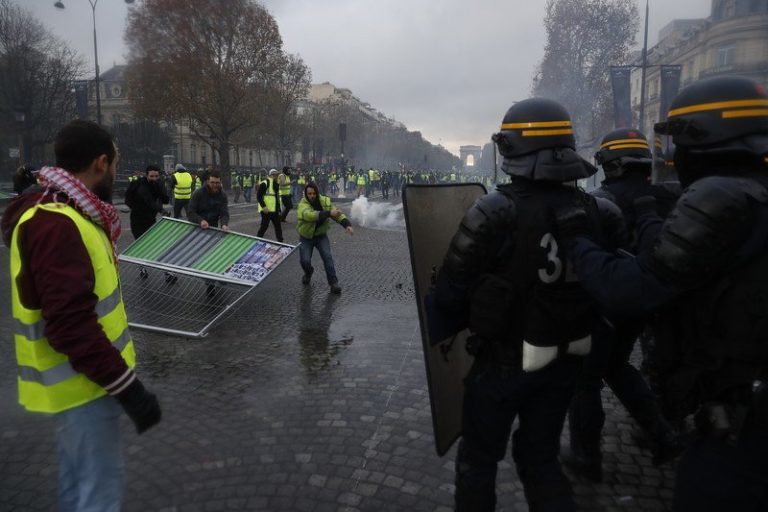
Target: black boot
[[307, 276], [335, 288]]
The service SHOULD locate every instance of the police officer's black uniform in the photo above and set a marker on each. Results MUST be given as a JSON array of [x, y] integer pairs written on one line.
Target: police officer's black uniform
[[530, 317], [707, 273], [626, 161]]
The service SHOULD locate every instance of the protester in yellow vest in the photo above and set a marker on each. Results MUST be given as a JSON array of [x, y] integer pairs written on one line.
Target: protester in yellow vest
[[268, 197], [181, 181], [284, 182], [247, 186], [74, 351], [361, 184], [314, 216], [236, 180]]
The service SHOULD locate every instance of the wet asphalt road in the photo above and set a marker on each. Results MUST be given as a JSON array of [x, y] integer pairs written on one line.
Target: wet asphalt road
[[300, 401]]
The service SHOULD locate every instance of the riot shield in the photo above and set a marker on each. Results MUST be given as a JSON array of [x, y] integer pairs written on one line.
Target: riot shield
[[432, 216]]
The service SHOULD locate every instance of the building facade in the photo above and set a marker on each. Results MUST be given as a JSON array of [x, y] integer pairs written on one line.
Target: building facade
[[733, 40]]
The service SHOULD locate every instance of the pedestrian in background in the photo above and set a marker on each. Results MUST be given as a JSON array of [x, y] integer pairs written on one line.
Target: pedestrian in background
[[181, 182], [237, 184], [284, 180], [268, 197], [209, 204], [314, 216], [146, 197], [74, 350]]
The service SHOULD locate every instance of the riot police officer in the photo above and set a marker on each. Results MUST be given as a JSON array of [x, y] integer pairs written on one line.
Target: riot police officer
[[626, 161], [530, 318], [707, 275]]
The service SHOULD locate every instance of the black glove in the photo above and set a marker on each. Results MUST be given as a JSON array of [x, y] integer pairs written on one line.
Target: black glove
[[140, 405], [572, 222]]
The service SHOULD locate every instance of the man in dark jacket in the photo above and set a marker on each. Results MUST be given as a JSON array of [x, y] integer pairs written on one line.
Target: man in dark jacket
[[209, 206], [146, 200]]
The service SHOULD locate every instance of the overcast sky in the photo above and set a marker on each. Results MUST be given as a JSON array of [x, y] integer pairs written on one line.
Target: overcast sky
[[448, 68]]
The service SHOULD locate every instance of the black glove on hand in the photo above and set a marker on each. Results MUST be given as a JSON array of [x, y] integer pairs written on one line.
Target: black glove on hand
[[140, 405], [572, 222]]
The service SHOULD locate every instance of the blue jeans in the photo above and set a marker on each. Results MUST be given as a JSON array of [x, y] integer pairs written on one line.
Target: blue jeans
[[91, 469], [324, 248]]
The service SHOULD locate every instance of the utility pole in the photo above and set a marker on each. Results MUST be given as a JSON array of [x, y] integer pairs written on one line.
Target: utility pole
[[641, 121]]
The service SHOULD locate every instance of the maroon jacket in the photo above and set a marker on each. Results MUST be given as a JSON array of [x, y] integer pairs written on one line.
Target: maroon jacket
[[57, 277]]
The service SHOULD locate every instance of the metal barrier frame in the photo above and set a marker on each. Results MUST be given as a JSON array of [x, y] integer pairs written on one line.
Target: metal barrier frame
[[176, 269]]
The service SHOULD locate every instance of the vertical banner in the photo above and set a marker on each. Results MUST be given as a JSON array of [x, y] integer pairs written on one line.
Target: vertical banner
[[622, 110], [664, 149], [670, 84], [81, 98]]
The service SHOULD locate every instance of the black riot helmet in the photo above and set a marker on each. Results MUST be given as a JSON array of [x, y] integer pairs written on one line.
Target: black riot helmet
[[623, 143], [536, 141], [717, 115]]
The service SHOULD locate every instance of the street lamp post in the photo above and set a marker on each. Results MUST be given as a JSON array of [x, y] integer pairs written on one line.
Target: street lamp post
[[60, 5]]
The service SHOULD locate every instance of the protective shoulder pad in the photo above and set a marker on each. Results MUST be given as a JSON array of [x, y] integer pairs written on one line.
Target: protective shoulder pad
[[484, 231], [710, 221]]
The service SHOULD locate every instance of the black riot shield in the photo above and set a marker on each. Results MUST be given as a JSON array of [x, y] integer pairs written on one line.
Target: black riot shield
[[432, 216]]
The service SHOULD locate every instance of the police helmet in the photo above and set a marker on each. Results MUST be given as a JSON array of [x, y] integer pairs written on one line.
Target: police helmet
[[534, 124], [718, 113], [537, 142], [622, 150]]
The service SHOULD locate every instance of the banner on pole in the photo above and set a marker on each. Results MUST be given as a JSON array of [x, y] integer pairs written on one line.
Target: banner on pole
[[620, 83], [81, 98], [669, 85]]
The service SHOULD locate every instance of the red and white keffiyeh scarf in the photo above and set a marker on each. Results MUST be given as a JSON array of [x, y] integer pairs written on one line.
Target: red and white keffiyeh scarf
[[58, 181]]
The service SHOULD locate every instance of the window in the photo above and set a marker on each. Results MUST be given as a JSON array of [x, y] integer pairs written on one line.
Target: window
[[726, 56], [729, 9]]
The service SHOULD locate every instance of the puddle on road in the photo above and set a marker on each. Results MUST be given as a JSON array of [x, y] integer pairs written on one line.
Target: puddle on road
[[325, 332]]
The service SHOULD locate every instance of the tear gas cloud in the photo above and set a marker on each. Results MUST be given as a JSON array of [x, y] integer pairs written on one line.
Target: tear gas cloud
[[377, 215]]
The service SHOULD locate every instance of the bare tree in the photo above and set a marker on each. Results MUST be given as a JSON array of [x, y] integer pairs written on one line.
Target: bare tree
[[207, 61], [584, 38], [286, 92], [37, 71]]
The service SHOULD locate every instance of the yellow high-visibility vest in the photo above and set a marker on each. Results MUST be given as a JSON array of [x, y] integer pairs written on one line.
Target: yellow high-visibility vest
[[183, 188], [285, 184], [270, 198], [47, 382]]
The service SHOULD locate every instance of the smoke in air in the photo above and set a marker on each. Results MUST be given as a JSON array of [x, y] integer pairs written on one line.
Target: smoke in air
[[377, 215]]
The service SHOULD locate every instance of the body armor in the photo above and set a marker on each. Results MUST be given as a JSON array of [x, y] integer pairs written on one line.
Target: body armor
[[713, 340]]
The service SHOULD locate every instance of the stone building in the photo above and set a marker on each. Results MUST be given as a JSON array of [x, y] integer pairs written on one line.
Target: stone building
[[733, 40]]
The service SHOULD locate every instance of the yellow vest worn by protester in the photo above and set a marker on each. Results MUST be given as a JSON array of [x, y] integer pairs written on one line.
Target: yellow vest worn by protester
[[183, 188], [285, 185], [47, 382], [270, 198], [301, 180], [360, 180]]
